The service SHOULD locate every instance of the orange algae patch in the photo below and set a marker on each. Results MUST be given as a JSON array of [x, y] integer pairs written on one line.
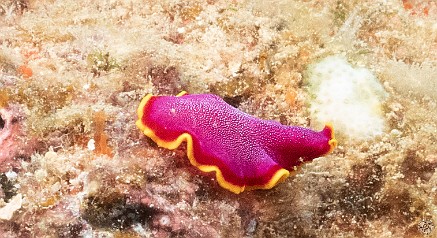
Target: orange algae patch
[[408, 5], [100, 136], [28, 55], [25, 71], [418, 7], [291, 97]]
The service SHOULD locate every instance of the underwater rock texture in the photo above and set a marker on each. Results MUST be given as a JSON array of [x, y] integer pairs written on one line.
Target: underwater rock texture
[[15, 144], [73, 72]]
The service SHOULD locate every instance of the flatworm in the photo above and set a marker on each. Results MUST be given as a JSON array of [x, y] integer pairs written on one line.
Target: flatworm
[[245, 152]]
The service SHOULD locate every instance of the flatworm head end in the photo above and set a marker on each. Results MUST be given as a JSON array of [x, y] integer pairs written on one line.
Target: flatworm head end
[[140, 111], [142, 106], [150, 133]]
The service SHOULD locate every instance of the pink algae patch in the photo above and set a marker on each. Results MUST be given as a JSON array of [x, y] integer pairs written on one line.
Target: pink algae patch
[[13, 140]]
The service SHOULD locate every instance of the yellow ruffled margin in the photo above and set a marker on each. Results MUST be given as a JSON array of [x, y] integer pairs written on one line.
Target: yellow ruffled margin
[[277, 177], [332, 142]]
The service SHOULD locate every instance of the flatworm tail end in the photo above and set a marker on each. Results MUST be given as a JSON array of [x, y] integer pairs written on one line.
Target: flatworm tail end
[[329, 132]]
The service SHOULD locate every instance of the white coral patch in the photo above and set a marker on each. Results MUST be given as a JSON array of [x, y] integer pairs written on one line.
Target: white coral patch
[[348, 97], [8, 210]]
